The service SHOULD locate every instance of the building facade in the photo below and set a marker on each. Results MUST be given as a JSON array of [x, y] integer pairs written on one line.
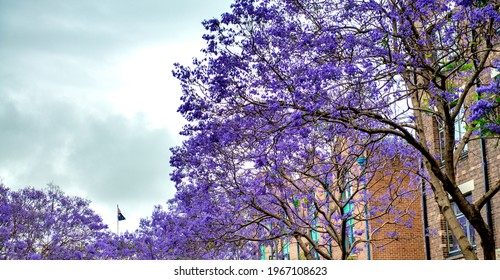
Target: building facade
[[407, 244], [478, 170]]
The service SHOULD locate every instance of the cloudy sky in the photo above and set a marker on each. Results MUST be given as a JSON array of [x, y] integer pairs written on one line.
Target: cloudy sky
[[87, 99]]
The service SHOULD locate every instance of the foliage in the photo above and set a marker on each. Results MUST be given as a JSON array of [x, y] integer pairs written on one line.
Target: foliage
[[47, 224], [280, 81], [169, 235], [484, 116], [270, 107]]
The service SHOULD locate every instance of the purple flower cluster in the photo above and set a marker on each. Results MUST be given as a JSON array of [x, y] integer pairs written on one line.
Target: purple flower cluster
[[47, 224], [480, 109], [288, 96], [493, 128]]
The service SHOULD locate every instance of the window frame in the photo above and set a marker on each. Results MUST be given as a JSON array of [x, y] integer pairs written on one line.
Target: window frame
[[451, 242], [348, 207], [460, 131]]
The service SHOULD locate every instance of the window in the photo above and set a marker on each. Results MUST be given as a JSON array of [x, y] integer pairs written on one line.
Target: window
[[459, 133], [314, 236], [263, 251], [349, 233], [348, 208], [453, 248], [460, 129], [286, 248]]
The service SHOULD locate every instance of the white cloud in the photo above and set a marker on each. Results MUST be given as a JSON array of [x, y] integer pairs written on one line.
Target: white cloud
[[147, 85]]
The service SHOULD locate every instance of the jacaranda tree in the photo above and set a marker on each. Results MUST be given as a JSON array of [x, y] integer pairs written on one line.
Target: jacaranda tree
[[310, 189], [262, 173], [172, 234], [50, 225], [278, 74], [47, 224]]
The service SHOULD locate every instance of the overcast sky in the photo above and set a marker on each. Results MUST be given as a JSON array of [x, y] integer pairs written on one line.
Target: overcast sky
[[87, 99]]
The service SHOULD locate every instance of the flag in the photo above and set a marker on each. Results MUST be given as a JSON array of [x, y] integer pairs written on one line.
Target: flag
[[120, 215]]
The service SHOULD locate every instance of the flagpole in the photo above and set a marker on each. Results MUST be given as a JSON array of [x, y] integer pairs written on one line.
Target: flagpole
[[119, 217]]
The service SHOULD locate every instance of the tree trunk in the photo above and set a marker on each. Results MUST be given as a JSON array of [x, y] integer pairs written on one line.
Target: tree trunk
[[303, 246], [473, 215], [488, 245], [444, 204], [488, 239]]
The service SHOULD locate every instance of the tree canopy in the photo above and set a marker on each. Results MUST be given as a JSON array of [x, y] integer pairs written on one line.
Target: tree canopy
[[282, 81], [47, 224]]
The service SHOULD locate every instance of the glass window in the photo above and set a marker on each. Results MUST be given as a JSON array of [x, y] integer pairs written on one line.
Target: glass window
[[349, 233], [348, 208], [459, 133], [315, 236], [466, 226], [460, 129], [286, 248], [263, 251]]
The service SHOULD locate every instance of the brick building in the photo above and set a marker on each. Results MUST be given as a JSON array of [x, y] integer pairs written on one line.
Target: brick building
[[478, 170], [407, 245]]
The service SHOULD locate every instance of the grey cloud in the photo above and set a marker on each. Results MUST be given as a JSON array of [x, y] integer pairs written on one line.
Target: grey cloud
[[77, 27], [57, 72], [109, 157], [123, 159]]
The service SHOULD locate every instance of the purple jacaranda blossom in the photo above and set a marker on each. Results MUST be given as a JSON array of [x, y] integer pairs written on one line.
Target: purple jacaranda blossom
[[46, 224], [494, 128], [289, 93], [480, 109]]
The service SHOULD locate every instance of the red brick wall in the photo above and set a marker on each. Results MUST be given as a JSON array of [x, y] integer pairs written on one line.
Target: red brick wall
[[409, 244]]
